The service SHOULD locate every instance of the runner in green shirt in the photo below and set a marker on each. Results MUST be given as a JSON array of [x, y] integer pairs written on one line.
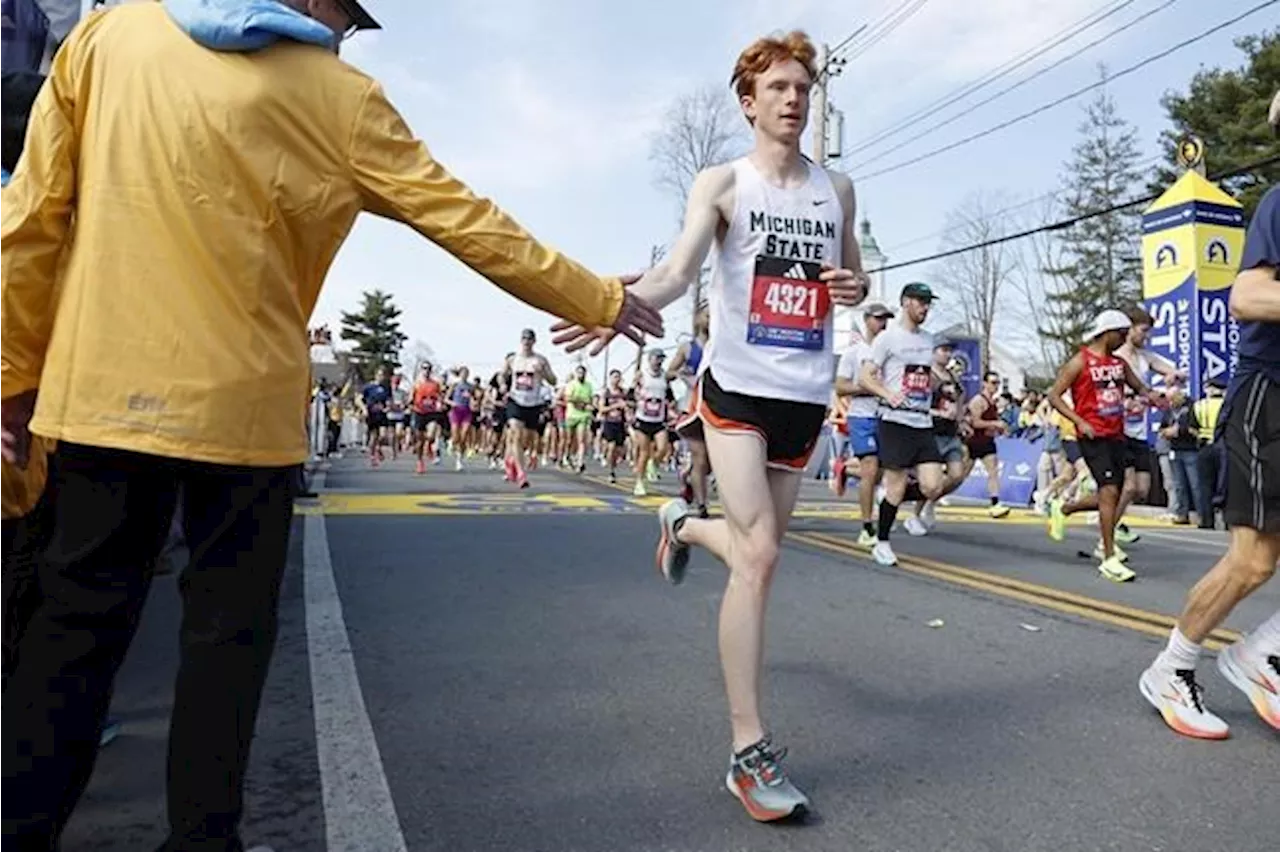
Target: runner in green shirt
[[578, 394]]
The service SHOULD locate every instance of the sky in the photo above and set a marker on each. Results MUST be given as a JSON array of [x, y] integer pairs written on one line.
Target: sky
[[549, 108]]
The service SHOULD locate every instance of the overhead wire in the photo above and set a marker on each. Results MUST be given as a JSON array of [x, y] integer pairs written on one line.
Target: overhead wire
[[1067, 97]]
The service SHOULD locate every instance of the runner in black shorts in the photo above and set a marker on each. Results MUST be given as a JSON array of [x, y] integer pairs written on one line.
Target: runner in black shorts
[[1250, 427]]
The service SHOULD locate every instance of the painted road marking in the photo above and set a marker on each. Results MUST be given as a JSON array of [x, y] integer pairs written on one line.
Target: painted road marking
[[1143, 621], [359, 813]]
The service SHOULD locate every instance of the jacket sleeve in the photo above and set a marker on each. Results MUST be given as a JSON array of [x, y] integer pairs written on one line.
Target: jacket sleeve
[[400, 180], [38, 206]]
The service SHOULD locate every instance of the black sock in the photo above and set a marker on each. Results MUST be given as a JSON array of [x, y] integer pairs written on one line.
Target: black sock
[[913, 492], [888, 514], [868, 528], [995, 500]]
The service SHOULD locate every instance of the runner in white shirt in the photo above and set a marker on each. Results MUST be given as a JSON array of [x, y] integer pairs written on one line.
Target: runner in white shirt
[[785, 251], [649, 432], [900, 372], [525, 373], [862, 417]]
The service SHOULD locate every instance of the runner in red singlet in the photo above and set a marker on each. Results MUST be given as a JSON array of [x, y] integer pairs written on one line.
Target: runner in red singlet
[[1097, 379]]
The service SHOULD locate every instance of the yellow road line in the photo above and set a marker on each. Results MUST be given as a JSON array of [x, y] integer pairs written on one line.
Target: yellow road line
[[1143, 621]]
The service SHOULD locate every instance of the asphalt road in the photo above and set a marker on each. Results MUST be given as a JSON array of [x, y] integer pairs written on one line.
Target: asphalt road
[[464, 667]]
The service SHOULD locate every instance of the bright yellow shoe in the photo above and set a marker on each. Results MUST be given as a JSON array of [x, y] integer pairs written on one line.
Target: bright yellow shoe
[[1057, 521], [1115, 571], [866, 539], [999, 510]]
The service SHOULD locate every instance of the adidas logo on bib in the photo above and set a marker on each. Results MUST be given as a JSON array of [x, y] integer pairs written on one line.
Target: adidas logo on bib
[[796, 271]]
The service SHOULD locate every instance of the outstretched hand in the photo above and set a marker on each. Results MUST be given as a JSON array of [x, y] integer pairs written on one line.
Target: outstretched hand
[[636, 318]]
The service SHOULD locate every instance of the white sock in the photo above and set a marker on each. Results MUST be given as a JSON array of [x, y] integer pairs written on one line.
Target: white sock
[[1265, 640], [1180, 653]]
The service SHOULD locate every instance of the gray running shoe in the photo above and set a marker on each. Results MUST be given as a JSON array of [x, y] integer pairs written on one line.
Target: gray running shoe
[[673, 557], [756, 778]]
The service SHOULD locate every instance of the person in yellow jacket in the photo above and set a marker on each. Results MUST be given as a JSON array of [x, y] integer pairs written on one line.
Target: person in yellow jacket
[[213, 162]]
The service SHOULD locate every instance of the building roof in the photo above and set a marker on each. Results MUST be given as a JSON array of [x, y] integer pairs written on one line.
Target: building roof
[[866, 241]]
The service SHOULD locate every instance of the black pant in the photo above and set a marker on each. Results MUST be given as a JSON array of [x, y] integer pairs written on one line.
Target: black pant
[[334, 431], [1208, 467], [25, 539], [111, 518]]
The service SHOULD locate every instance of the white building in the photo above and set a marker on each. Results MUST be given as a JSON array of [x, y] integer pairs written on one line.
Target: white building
[[848, 321]]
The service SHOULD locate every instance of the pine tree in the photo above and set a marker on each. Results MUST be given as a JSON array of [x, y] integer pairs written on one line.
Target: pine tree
[[1102, 261], [375, 330]]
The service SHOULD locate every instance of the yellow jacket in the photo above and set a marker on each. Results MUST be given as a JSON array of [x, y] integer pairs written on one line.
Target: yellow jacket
[[211, 191]]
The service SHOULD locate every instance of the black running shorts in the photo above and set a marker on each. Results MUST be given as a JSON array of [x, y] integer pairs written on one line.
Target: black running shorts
[[1107, 458], [649, 430], [903, 447], [981, 447], [1139, 455], [613, 432], [530, 416], [1252, 436], [376, 419], [789, 429]]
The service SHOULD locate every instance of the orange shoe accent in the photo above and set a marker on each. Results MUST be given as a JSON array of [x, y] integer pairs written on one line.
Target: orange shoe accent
[[754, 810], [1171, 719]]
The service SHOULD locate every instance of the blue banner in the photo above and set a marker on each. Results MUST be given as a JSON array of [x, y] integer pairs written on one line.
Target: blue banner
[[1019, 460], [969, 354], [1219, 334]]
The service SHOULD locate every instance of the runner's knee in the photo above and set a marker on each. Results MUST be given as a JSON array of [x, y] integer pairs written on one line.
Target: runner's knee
[[756, 554]]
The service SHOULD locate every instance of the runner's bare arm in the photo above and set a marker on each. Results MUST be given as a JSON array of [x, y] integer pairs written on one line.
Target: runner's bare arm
[[1066, 376], [1132, 380], [546, 371], [678, 361], [869, 378], [975, 410], [1255, 295]]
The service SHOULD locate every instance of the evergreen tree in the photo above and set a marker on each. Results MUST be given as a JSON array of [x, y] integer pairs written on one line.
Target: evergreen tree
[[1228, 110], [1101, 257], [375, 331]]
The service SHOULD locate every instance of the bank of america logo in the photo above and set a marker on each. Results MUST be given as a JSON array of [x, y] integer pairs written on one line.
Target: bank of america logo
[[796, 271]]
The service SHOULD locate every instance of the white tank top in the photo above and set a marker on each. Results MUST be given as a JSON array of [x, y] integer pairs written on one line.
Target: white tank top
[[1135, 422], [526, 380], [651, 398], [771, 333]]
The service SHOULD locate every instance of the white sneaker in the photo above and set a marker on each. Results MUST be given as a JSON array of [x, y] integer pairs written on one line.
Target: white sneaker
[[457, 464], [883, 553], [929, 514], [1180, 701], [1257, 677], [915, 526]]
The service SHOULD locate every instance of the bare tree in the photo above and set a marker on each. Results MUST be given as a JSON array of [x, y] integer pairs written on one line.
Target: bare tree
[[701, 129], [1037, 277], [981, 279]]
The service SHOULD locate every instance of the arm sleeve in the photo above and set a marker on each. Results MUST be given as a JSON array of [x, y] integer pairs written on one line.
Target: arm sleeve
[[38, 207], [1262, 242], [400, 180]]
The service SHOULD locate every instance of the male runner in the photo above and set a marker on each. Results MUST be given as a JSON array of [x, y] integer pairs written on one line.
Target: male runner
[[685, 365], [578, 396], [524, 373], [786, 250], [986, 423], [613, 429], [1137, 474], [950, 429], [1251, 430], [374, 399], [397, 412], [649, 433], [899, 371], [1096, 379], [428, 415], [862, 417]]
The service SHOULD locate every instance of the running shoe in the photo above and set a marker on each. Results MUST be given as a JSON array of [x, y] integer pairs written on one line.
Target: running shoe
[[1180, 701], [420, 467], [915, 526], [1057, 521], [673, 556], [1115, 570], [882, 552], [1116, 551], [613, 477], [640, 490], [457, 464], [999, 510], [1257, 677], [866, 539], [929, 514], [1124, 535], [757, 780]]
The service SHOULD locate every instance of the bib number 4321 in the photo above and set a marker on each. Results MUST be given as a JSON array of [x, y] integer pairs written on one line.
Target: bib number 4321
[[789, 305]]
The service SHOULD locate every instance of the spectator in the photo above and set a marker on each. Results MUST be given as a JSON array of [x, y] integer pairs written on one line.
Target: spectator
[[1178, 426], [189, 370], [1209, 460]]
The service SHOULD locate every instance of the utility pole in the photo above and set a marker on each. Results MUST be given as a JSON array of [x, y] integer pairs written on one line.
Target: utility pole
[[818, 106]]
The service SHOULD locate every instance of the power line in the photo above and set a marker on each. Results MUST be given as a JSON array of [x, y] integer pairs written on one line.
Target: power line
[[847, 40], [1094, 17], [1009, 209], [1067, 97], [896, 19], [1067, 223]]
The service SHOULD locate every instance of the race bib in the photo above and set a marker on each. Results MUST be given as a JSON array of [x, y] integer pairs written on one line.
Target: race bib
[[1110, 401], [524, 381], [652, 407], [789, 305], [917, 385]]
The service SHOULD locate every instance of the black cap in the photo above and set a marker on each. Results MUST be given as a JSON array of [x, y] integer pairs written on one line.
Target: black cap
[[876, 309], [360, 17], [918, 290], [944, 343]]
